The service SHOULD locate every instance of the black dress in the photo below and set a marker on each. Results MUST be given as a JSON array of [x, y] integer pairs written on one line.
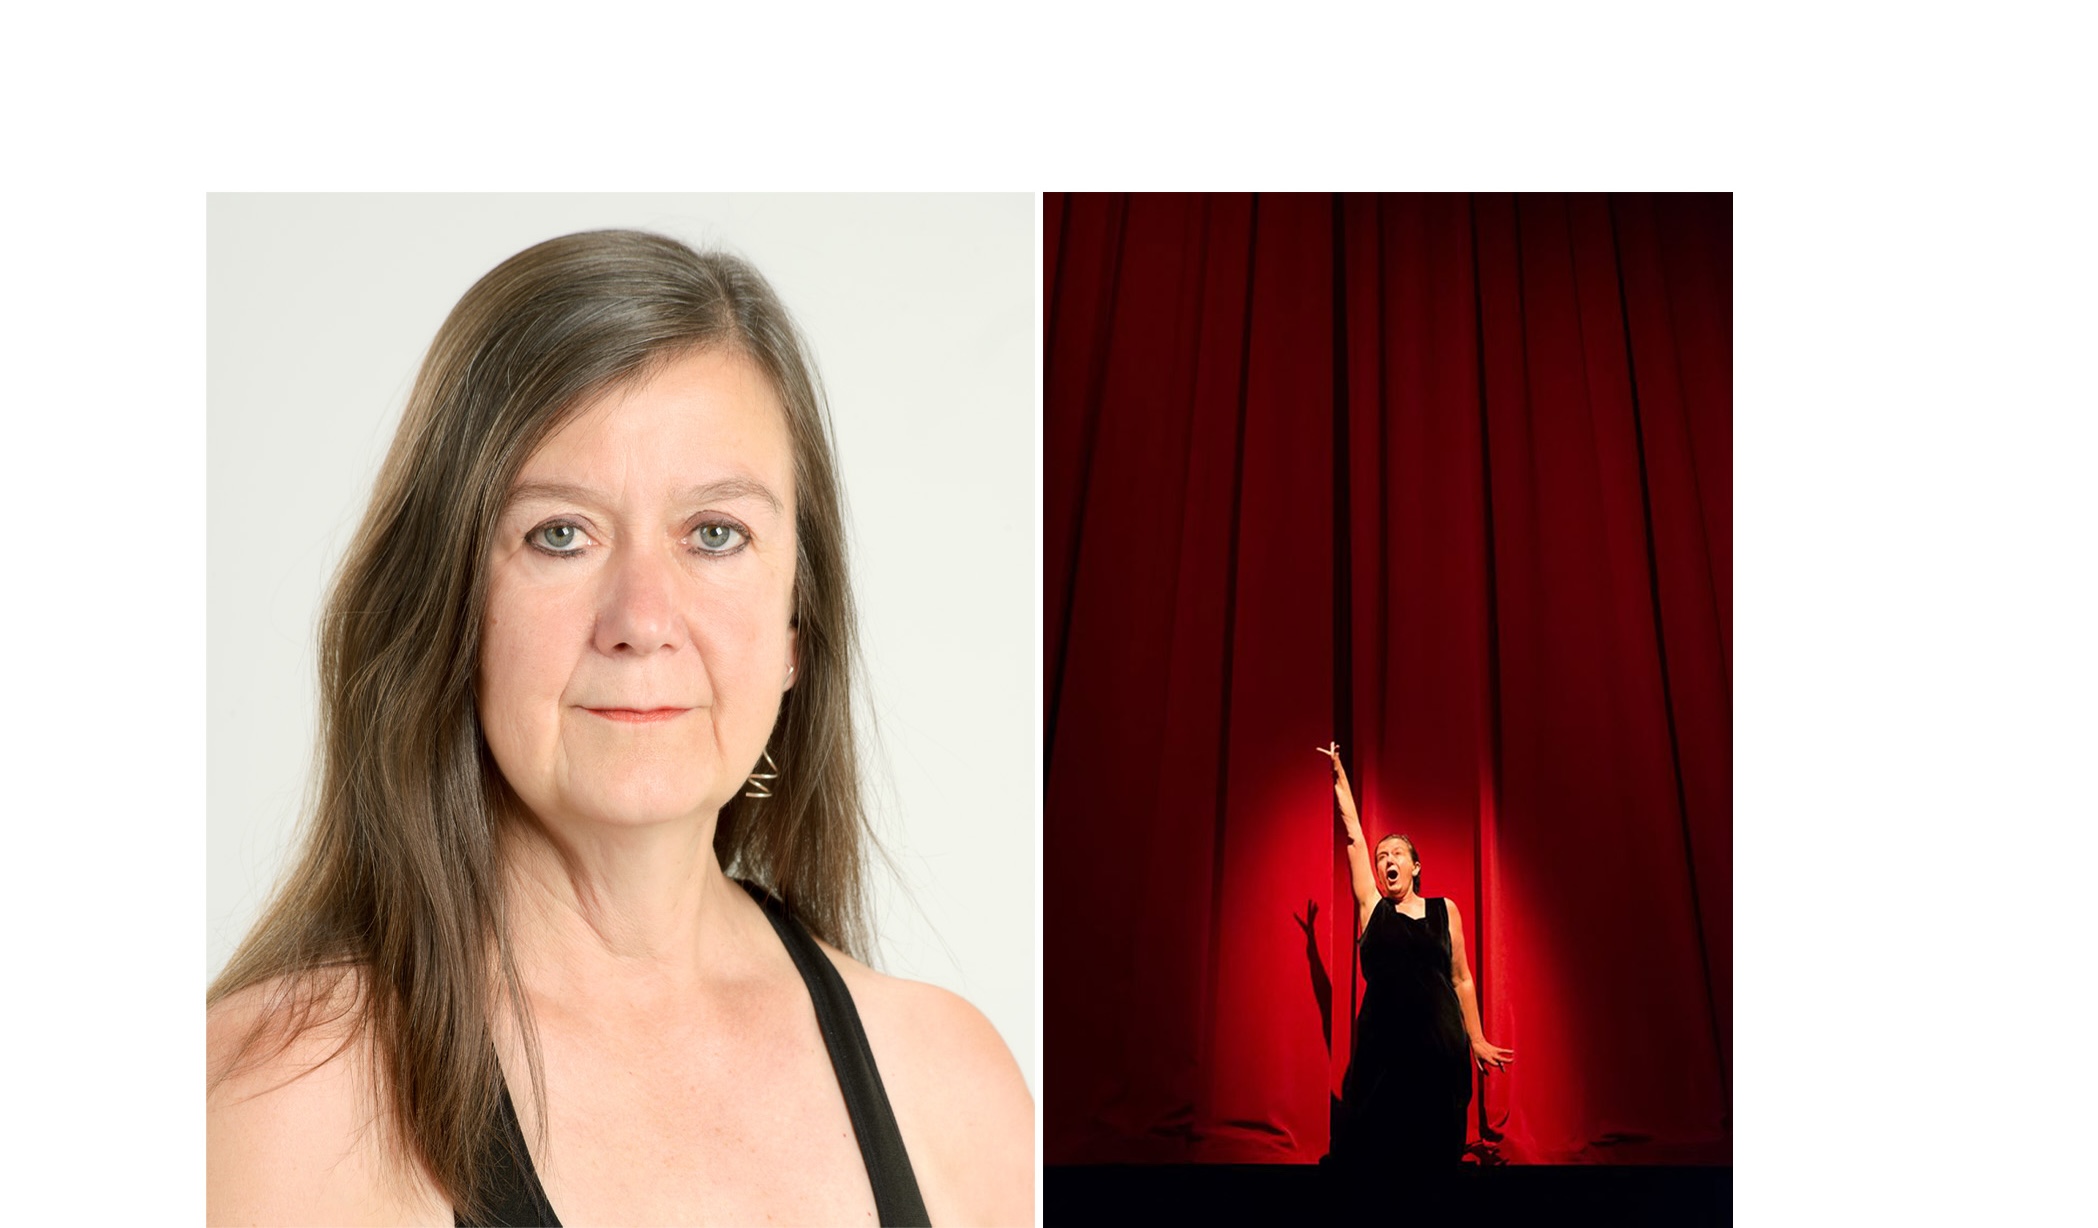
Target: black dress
[[1409, 1083]]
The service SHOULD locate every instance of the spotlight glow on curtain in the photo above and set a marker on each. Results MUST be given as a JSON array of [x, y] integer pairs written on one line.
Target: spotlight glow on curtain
[[1447, 479]]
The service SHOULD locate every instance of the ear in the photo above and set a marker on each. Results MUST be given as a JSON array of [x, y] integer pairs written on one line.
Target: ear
[[793, 659]]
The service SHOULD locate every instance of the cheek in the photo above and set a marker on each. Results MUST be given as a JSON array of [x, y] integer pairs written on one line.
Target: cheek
[[743, 649], [527, 658]]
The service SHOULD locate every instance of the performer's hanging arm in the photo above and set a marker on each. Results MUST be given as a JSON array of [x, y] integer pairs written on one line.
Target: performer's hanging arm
[[1365, 882], [1488, 1055]]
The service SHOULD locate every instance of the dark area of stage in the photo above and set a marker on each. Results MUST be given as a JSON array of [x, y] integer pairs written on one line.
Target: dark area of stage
[[1682, 1197]]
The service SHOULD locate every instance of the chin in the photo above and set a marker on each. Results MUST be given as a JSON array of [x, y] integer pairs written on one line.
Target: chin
[[642, 801]]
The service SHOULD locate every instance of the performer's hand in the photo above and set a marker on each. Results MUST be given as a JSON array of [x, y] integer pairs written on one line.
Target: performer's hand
[[1490, 1056], [1332, 751]]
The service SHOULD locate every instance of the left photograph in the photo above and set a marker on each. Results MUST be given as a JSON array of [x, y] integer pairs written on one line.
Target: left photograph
[[622, 628]]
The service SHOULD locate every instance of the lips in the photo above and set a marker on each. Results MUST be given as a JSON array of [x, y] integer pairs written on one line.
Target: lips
[[638, 716]]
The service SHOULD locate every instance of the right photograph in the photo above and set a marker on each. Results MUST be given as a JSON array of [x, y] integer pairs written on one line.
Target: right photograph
[[1387, 731]]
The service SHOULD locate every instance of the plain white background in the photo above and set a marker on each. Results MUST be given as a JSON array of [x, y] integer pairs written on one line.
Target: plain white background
[[920, 315]]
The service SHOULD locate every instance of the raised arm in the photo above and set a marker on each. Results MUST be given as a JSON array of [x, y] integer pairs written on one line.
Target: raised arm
[[1359, 875]]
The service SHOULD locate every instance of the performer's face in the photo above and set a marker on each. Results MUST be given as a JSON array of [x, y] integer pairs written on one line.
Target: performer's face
[[1395, 867]]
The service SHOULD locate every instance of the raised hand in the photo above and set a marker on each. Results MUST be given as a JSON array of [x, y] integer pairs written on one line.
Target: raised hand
[[1332, 751]]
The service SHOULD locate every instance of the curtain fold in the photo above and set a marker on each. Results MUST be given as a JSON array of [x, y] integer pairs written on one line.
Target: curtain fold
[[1447, 479]]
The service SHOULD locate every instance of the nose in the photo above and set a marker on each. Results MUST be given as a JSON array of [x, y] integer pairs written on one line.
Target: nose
[[637, 608]]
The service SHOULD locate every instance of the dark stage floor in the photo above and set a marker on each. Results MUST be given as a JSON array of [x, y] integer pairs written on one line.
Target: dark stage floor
[[1681, 1197]]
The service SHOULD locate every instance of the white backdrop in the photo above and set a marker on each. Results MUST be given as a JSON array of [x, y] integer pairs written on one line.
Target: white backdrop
[[920, 312]]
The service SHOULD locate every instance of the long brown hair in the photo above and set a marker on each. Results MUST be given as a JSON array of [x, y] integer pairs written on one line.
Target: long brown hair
[[397, 889]]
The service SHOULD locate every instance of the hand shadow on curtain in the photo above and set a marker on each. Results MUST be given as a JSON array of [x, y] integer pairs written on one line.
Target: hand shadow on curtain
[[1321, 983]]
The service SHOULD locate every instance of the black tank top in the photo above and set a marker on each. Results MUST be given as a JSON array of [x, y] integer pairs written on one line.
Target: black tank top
[[510, 1187]]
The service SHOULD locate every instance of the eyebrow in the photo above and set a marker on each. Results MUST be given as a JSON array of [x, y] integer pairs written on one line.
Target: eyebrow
[[720, 491]]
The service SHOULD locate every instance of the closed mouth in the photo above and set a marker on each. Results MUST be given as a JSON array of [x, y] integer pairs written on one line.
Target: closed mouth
[[638, 716]]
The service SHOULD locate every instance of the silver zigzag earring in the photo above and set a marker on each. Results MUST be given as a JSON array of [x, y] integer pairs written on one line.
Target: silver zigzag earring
[[761, 781]]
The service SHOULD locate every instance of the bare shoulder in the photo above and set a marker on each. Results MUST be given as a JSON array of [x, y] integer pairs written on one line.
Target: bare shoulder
[[292, 1129], [960, 1100]]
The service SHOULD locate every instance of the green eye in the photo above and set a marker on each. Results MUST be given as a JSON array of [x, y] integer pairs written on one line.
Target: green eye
[[556, 538], [718, 538]]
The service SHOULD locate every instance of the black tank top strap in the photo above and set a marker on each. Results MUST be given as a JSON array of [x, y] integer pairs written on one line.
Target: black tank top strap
[[896, 1199], [512, 1197], [509, 1189], [1439, 920]]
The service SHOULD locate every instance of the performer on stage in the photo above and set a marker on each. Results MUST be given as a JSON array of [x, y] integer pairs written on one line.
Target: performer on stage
[[1409, 1083]]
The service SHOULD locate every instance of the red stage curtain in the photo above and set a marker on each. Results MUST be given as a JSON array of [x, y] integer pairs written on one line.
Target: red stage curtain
[[1447, 479]]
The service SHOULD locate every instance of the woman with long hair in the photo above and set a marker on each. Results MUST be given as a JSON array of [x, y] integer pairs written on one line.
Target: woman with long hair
[[577, 918]]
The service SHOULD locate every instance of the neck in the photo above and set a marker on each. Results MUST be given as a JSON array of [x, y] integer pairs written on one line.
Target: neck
[[596, 903]]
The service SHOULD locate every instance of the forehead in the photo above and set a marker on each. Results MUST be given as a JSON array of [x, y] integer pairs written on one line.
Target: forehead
[[704, 417], [1391, 844]]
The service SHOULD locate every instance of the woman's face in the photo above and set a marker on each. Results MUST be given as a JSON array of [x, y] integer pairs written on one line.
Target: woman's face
[[1395, 867], [637, 642]]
